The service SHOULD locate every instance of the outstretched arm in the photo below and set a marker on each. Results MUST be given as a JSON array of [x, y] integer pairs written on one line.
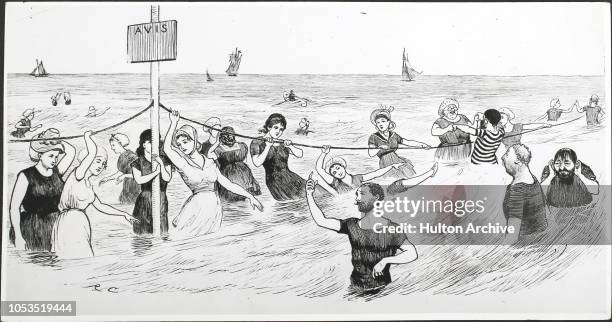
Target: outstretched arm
[[535, 126], [415, 143], [315, 211], [227, 184], [92, 149], [297, 152], [320, 167], [69, 153], [108, 210], [466, 129]]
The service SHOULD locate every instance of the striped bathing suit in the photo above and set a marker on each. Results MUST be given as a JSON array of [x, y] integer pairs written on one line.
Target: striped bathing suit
[[486, 145]]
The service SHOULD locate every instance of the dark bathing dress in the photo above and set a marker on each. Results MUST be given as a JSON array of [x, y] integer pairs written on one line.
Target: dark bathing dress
[[232, 166], [282, 182], [454, 145], [142, 208], [39, 209], [131, 189]]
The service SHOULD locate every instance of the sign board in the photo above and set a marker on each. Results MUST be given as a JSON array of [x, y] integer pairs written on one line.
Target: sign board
[[153, 41]]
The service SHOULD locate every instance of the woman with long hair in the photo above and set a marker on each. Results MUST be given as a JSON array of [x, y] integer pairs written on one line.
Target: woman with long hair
[[144, 169], [201, 213], [37, 191]]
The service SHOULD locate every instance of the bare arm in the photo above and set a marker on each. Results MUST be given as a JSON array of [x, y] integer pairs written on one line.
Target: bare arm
[[69, 153], [258, 159], [315, 211], [19, 191], [211, 152], [142, 179], [227, 184], [108, 210], [415, 143], [535, 126], [92, 149], [164, 170], [297, 152], [379, 172], [174, 156], [320, 167]]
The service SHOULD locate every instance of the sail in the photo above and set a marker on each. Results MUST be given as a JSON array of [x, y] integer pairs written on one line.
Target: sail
[[208, 77], [234, 62], [408, 72], [41, 69], [35, 70]]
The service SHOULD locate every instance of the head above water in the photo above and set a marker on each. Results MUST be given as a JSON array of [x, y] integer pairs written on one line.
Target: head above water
[[555, 103], [144, 143], [98, 165], [492, 116], [516, 158], [118, 141], [186, 139], [304, 123], [449, 108], [275, 125], [564, 163], [227, 136], [366, 195], [594, 100], [506, 115], [336, 167], [47, 151], [381, 118]]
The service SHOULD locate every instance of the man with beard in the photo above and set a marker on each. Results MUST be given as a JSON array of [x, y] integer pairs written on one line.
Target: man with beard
[[372, 252], [524, 206], [566, 188]]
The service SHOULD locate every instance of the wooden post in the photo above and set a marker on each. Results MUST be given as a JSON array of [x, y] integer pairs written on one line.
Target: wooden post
[[155, 193]]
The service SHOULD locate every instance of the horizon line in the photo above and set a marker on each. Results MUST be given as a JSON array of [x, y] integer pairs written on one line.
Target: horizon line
[[321, 74]]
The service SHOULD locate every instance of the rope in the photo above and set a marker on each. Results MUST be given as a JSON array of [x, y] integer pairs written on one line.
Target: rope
[[93, 133], [407, 147]]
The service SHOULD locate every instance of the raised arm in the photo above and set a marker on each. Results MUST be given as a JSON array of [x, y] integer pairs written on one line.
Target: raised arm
[[227, 184], [320, 167], [575, 104], [258, 159], [19, 191], [315, 211], [69, 153], [92, 149], [174, 156]]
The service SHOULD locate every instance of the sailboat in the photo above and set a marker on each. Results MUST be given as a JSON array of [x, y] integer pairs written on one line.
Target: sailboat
[[208, 77], [39, 70], [408, 73], [234, 60]]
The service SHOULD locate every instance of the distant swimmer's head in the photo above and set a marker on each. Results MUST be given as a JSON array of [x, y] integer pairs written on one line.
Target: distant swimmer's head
[[186, 139], [367, 195], [118, 142], [555, 103], [304, 123], [47, 151], [492, 116], [516, 157], [381, 118], [449, 109], [29, 113], [275, 125], [227, 136], [336, 167], [506, 115]]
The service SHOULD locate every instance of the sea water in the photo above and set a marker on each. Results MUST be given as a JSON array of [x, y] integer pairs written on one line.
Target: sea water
[[281, 250]]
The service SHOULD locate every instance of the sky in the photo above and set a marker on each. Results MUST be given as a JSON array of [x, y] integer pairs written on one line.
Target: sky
[[319, 38]]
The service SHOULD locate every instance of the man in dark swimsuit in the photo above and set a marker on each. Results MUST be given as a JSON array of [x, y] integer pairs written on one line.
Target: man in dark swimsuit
[[593, 111], [373, 251], [291, 96]]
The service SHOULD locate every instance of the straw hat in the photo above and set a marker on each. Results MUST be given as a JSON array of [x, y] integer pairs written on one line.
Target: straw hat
[[335, 160], [384, 111], [508, 112], [50, 143]]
